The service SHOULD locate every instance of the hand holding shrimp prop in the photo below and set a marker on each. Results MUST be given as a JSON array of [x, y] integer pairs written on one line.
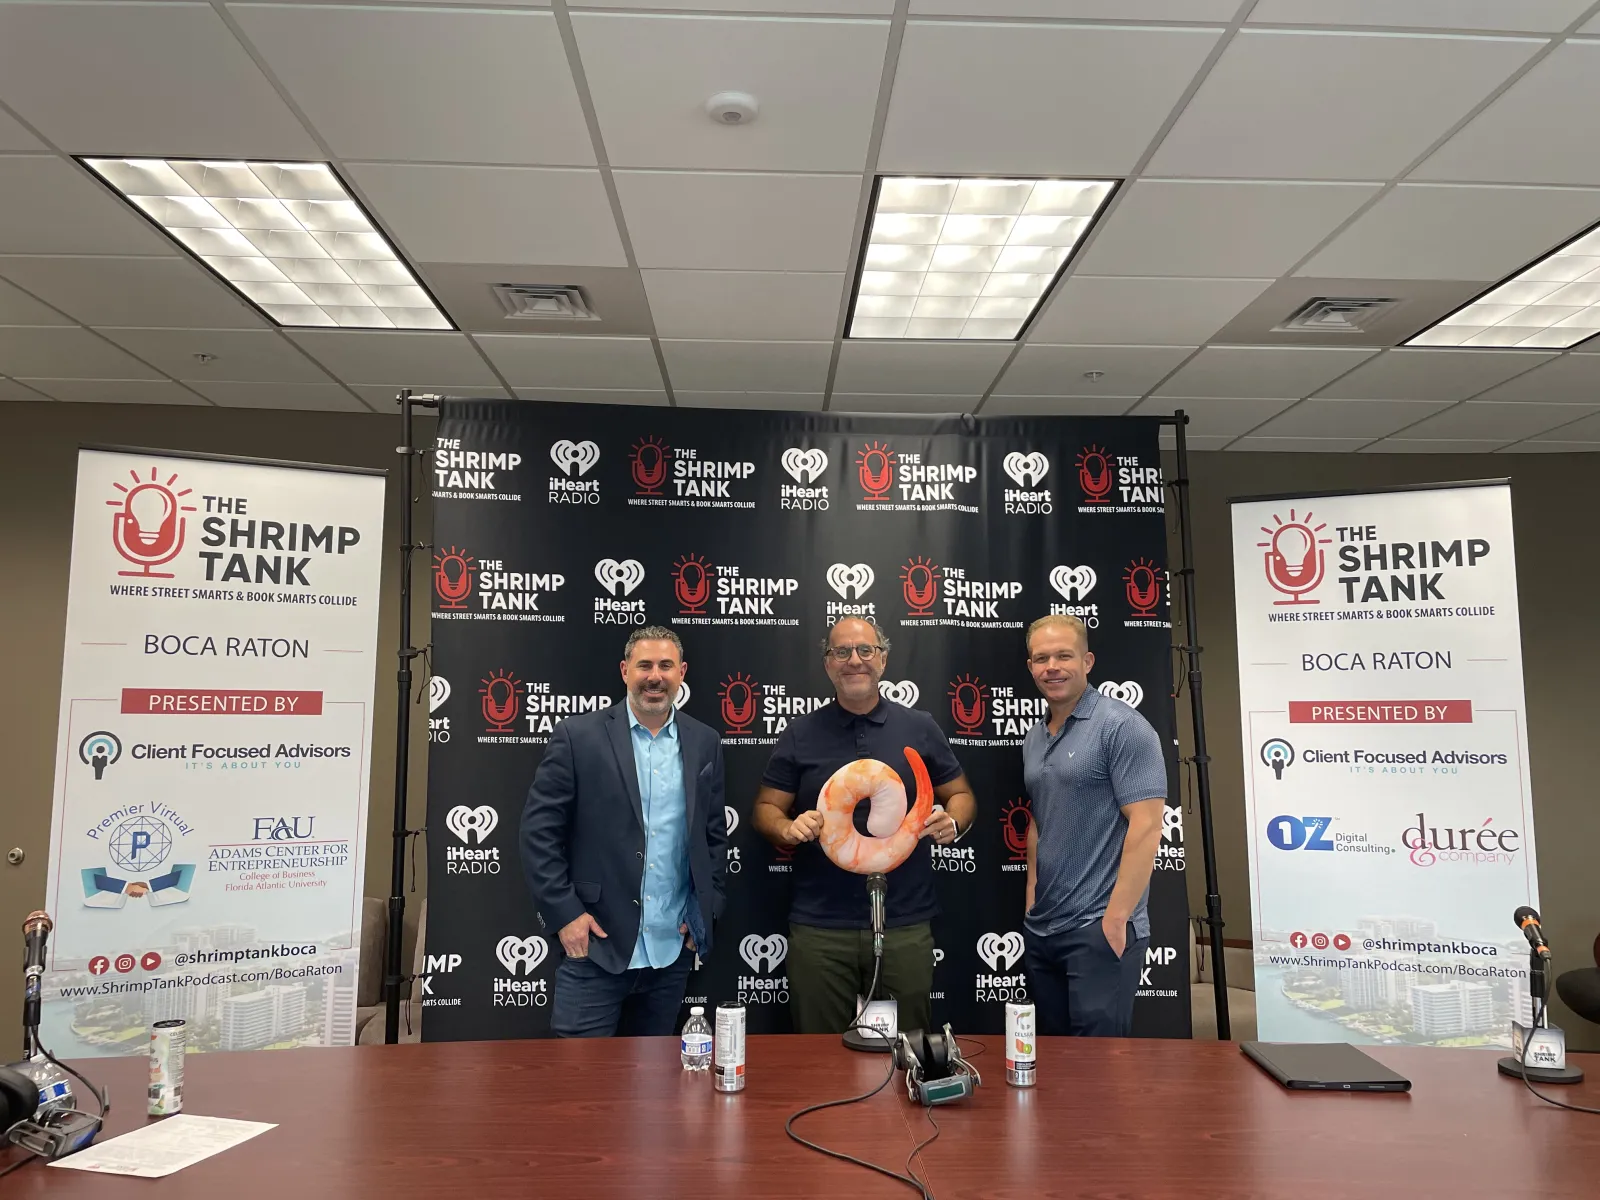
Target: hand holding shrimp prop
[[892, 832]]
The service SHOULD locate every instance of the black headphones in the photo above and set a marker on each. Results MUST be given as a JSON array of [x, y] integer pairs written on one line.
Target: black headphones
[[927, 1054], [935, 1071], [19, 1098]]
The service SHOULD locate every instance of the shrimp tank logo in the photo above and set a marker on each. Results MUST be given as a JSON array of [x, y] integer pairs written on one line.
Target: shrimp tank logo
[[1000, 952], [875, 470], [969, 703], [691, 584], [647, 462], [763, 955], [99, 750], [149, 528], [1277, 754], [1016, 819], [919, 584], [138, 843], [1294, 563], [454, 573], [1143, 584], [805, 467], [500, 707], [521, 956], [892, 831], [574, 460], [1095, 476], [740, 696]]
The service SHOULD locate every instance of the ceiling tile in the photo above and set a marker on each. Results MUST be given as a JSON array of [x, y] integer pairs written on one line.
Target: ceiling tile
[[132, 291], [1419, 374], [1056, 406], [730, 222], [872, 402], [1417, 304], [1034, 99], [1061, 370], [18, 308], [740, 305], [316, 397], [1487, 419], [1211, 416], [243, 355], [167, 79], [1115, 10], [439, 85], [614, 294], [48, 206], [116, 391], [1520, 16], [14, 139], [1585, 430], [1195, 441], [390, 356], [1289, 445], [864, 8], [1266, 371], [926, 368], [1210, 228], [1135, 310], [1445, 231], [594, 396], [494, 214], [1423, 446], [1522, 137], [65, 352], [14, 391], [1332, 106], [1570, 379], [1540, 447], [1366, 419], [380, 397], [772, 401], [747, 366], [816, 83], [540, 361]]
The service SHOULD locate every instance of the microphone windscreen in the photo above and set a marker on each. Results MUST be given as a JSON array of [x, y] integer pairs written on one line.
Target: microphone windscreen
[[1523, 915], [40, 918], [876, 882], [1580, 991]]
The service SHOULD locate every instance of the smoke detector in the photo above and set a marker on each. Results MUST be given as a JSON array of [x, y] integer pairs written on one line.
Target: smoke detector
[[1335, 314], [544, 302], [732, 108]]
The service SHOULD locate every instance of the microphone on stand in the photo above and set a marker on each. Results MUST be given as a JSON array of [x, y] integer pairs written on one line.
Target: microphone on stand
[[35, 933], [1539, 1048], [877, 887], [877, 1022], [1528, 921]]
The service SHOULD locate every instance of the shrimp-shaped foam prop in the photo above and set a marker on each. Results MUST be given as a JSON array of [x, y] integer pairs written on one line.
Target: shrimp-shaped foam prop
[[892, 831]]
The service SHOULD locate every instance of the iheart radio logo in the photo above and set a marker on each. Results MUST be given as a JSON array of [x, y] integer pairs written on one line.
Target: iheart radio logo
[[438, 692], [454, 572], [691, 584], [1095, 476], [149, 530], [1026, 470], [844, 579], [905, 692], [619, 578], [472, 824], [572, 457], [804, 466], [1001, 951], [969, 703], [1074, 583], [764, 954], [1130, 693], [919, 584], [648, 464], [740, 696], [1294, 562], [1143, 581], [526, 953], [499, 692], [875, 469], [731, 816]]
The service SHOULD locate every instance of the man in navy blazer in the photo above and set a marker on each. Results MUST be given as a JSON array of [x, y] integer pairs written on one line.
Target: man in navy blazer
[[623, 842]]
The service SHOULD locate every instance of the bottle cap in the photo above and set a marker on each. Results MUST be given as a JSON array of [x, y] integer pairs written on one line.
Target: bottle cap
[[697, 1011]]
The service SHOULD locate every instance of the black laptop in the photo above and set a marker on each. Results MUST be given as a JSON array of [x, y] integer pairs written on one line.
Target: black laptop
[[1323, 1067]]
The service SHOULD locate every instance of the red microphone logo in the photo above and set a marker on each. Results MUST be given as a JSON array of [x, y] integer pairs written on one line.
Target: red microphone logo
[[1294, 562], [875, 469], [969, 703], [1015, 821], [919, 584], [691, 583], [648, 462], [454, 572], [149, 529], [739, 693], [1094, 474], [1144, 587], [499, 693]]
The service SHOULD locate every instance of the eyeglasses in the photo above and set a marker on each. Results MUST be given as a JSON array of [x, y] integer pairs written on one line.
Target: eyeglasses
[[843, 653]]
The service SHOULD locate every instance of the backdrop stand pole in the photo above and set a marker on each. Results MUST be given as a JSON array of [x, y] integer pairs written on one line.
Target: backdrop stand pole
[[394, 945], [1201, 760]]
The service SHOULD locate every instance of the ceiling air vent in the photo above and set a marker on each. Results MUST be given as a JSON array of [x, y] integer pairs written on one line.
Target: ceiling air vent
[[544, 302], [1335, 314]]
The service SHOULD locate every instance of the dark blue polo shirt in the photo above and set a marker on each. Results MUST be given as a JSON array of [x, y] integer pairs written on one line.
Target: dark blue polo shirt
[[809, 750]]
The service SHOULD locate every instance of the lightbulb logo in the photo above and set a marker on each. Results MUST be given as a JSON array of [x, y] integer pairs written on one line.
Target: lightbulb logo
[[1094, 474], [1277, 754], [875, 469], [148, 530], [1294, 562], [919, 584], [499, 692], [99, 750], [648, 462], [1015, 821], [454, 573], [969, 703], [1143, 582], [739, 694], [691, 584]]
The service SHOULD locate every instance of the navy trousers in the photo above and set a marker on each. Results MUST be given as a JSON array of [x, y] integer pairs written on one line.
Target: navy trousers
[[643, 1002], [1079, 987]]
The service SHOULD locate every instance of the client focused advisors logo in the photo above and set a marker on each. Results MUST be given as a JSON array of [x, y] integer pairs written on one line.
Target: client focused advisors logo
[[473, 474], [1145, 585], [1169, 855], [1277, 754], [438, 693], [764, 956], [1001, 952], [620, 580], [851, 582], [521, 958], [1027, 471], [740, 701], [1016, 819], [805, 467], [1073, 584], [149, 528], [1294, 562], [1130, 693], [905, 692], [99, 750], [455, 572], [900, 481], [681, 478], [574, 460], [469, 825], [1118, 484], [722, 594]]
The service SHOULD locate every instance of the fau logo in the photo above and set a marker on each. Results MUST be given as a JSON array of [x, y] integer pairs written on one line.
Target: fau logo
[[454, 572], [1094, 474], [499, 692], [875, 470], [149, 530], [969, 703], [648, 463], [919, 584], [1143, 583], [1294, 562], [739, 694], [691, 584]]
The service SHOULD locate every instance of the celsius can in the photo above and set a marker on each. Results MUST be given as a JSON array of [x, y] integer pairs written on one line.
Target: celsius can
[[1021, 1052], [167, 1039], [728, 1052]]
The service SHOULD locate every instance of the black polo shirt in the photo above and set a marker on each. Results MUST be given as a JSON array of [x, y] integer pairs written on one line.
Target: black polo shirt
[[809, 750]]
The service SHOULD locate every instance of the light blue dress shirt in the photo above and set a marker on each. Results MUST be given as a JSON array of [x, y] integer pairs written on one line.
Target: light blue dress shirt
[[664, 891]]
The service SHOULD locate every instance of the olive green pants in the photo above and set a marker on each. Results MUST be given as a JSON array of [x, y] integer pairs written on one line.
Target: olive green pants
[[829, 968]]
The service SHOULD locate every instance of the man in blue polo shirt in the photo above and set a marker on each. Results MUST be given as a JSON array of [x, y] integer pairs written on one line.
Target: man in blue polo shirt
[[1097, 781], [830, 956]]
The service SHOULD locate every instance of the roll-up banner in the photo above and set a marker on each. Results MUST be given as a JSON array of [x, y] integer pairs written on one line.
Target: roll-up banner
[[1386, 764], [560, 528], [213, 751]]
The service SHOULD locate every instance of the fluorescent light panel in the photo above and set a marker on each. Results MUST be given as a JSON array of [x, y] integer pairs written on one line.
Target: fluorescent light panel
[[967, 259], [1551, 305], [286, 236]]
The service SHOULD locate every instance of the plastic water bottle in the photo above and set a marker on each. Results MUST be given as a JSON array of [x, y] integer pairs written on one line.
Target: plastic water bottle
[[696, 1041], [55, 1089]]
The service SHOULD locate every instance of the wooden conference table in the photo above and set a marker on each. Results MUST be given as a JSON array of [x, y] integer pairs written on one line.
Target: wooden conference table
[[596, 1119]]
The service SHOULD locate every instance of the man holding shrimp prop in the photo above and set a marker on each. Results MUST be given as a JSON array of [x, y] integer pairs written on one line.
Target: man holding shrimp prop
[[850, 765]]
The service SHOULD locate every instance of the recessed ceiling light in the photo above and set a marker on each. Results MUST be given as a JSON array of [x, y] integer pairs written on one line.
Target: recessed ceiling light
[[967, 259], [286, 236], [1551, 305]]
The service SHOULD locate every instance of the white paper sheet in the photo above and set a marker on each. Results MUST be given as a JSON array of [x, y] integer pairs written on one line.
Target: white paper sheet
[[165, 1146]]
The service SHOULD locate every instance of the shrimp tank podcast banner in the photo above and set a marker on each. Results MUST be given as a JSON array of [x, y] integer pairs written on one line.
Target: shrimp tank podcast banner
[[1386, 764], [560, 528], [212, 753]]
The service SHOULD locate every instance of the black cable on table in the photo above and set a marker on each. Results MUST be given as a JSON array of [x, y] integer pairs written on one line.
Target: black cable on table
[[1527, 1044]]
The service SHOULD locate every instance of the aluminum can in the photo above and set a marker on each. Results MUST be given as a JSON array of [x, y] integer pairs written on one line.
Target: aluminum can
[[167, 1042], [728, 1049], [1021, 1049]]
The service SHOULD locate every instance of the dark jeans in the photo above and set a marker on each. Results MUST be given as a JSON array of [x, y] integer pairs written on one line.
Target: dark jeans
[[1079, 987], [643, 1002], [829, 968]]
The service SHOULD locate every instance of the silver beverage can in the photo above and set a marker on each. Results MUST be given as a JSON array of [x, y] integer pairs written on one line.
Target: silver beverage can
[[1022, 1051], [167, 1042], [727, 1054]]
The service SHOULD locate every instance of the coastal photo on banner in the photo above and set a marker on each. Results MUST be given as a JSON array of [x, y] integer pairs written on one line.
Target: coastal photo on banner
[[1386, 764], [213, 753], [560, 528]]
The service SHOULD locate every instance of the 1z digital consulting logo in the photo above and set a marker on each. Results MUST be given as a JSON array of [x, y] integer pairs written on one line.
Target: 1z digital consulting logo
[[763, 955], [621, 579], [574, 460], [1000, 952], [805, 467], [472, 825], [521, 958], [1027, 471], [149, 528]]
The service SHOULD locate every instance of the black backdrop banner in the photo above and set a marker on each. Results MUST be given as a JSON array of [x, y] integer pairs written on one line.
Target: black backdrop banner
[[559, 528]]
